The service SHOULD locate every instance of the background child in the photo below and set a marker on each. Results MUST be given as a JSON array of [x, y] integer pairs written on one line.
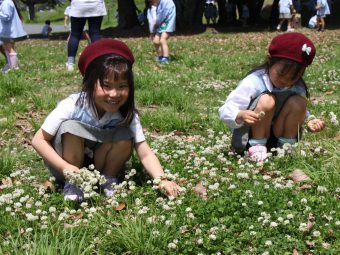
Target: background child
[[285, 7], [11, 29], [101, 121], [162, 21], [268, 107], [68, 24], [47, 29], [81, 12], [322, 9]]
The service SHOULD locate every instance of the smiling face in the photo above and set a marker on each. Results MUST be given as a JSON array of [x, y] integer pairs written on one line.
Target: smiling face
[[112, 95], [284, 74]]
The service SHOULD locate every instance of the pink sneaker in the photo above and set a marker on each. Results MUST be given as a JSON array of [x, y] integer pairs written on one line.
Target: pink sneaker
[[258, 153]]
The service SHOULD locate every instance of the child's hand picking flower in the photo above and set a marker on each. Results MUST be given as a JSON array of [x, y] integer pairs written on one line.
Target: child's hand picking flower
[[247, 116], [315, 125], [170, 188]]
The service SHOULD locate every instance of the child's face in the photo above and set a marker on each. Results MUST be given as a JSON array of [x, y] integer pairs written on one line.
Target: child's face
[[282, 78], [111, 96]]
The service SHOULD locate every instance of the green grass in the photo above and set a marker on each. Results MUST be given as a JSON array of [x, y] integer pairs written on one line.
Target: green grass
[[251, 209]]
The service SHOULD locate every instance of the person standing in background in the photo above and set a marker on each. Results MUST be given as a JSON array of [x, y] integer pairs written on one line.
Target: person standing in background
[[91, 11]]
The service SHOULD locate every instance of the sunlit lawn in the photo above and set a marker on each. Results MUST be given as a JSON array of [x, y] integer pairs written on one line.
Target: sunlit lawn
[[249, 209]]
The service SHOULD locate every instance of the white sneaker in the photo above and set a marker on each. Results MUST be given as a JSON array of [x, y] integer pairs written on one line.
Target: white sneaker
[[70, 67]]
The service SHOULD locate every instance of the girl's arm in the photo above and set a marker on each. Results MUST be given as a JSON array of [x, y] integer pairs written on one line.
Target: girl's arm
[[42, 144], [65, 20], [154, 168]]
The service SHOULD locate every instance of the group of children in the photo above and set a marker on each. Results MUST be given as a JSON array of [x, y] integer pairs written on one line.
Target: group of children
[[100, 123], [288, 12]]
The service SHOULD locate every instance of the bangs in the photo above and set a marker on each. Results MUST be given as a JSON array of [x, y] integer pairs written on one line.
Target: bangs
[[117, 72], [295, 69]]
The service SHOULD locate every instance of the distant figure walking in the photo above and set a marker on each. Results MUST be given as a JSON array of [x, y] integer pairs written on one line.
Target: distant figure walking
[[162, 19], [11, 30], [67, 23], [285, 9], [81, 11], [322, 9]]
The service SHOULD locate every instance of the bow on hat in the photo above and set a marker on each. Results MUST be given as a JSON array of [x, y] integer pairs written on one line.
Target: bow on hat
[[306, 49]]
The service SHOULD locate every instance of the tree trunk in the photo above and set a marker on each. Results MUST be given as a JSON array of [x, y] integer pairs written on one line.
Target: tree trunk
[[127, 14], [31, 11], [255, 8], [222, 13], [189, 14]]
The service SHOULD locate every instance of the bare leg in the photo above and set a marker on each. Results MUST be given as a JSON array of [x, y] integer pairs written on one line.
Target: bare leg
[[164, 43], [156, 42], [110, 158], [73, 149], [261, 129], [291, 118]]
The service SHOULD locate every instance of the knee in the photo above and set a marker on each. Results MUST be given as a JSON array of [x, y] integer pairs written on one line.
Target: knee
[[163, 40], [297, 104], [124, 148], [156, 41], [266, 103]]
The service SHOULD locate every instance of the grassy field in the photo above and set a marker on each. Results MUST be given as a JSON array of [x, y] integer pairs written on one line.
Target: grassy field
[[249, 208]]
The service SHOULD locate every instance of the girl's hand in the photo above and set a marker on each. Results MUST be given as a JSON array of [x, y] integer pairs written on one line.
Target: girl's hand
[[169, 188], [247, 116], [72, 168], [315, 125]]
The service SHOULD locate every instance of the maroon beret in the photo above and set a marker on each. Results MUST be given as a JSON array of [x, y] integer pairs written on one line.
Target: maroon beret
[[103, 47], [293, 46]]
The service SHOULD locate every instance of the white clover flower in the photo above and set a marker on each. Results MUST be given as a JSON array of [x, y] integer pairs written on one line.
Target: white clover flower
[[333, 119], [52, 209], [28, 230], [265, 253], [321, 189], [316, 233], [290, 216], [260, 203], [289, 203], [273, 224], [303, 201], [303, 227], [232, 186], [31, 217], [212, 237], [268, 243], [242, 176], [172, 246], [199, 241], [252, 233]]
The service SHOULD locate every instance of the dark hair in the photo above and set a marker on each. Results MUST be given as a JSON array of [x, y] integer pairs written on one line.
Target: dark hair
[[48, 22], [288, 66], [99, 69]]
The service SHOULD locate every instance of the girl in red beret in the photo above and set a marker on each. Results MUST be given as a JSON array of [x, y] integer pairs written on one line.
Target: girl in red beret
[[268, 107], [100, 124]]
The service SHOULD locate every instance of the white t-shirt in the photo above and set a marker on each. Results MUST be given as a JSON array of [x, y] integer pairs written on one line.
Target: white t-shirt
[[87, 8], [68, 110]]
